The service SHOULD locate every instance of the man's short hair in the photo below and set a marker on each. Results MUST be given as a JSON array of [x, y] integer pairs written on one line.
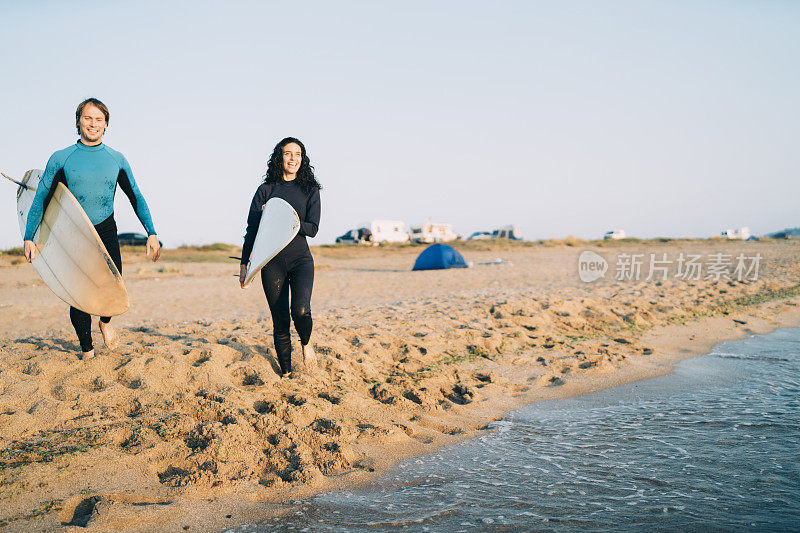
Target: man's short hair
[[95, 102]]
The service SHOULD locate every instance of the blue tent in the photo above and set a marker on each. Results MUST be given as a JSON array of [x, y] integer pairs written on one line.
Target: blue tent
[[439, 256]]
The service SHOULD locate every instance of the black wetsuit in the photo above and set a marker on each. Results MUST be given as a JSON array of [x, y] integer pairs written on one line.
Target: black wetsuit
[[292, 268]]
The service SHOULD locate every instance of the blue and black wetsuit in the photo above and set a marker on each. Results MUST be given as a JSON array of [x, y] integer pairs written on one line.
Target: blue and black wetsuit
[[292, 268], [91, 173]]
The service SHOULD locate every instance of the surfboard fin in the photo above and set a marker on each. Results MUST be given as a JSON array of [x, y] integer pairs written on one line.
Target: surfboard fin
[[18, 182]]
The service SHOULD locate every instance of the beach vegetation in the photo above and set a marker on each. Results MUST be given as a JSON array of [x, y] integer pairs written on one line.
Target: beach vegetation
[[211, 253], [451, 357], [160, 270], [213, 247], [479, 351], [742, 302], [762, 297], [46, 508], [45, 449], [568, 241]]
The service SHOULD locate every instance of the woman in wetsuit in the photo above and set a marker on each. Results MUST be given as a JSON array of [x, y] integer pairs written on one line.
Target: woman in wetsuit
[[290, 176]]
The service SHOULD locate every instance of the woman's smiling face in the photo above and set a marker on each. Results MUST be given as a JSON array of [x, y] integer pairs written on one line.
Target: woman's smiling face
[[292, 157]]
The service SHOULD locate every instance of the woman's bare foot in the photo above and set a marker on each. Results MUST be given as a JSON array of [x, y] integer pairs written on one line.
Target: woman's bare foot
[[309, 357], [87, 355], [110, 336]]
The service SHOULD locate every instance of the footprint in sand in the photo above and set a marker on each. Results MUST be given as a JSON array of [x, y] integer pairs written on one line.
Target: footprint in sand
[[332, 398], [549, 380], [459, 394], [265, 407], [131, 382]]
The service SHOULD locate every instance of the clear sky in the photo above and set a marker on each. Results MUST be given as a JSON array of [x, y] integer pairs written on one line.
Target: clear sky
[[674, 118]]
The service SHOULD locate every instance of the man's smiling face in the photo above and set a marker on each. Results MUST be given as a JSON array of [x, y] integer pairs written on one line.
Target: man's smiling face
[[93, 125]]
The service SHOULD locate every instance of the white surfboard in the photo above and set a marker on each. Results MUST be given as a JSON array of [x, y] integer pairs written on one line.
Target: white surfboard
[[72, 260], [279, 225]]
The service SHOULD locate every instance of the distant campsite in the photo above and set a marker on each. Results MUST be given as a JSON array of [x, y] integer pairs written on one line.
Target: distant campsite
[[381, 231]]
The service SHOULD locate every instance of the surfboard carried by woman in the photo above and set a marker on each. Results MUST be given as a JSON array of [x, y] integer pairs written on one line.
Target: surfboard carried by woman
[[289, 177]]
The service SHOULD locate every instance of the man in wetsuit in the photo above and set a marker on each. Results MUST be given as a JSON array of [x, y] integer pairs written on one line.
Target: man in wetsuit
[[91, 171]]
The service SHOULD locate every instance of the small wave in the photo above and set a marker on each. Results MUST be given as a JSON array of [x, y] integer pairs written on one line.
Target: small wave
[[417, 520], [754, 357]]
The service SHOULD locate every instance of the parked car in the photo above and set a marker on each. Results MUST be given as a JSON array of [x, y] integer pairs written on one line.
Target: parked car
[[358, 235], [614, 234], [478, 235], [508, 232], [134, 239]]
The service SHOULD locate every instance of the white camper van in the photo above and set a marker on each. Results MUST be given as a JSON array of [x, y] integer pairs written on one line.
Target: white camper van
[[433, 232], [739, 234], [388, 231]]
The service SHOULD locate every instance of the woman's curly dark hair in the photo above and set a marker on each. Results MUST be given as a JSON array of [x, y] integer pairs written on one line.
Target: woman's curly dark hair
[[305, 174]]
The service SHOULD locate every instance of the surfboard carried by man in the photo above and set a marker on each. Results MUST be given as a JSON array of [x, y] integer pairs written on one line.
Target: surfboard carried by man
[[91, 171]]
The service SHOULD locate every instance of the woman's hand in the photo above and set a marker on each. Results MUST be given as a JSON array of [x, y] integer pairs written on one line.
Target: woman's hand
[[152, 242], [30, 251], [242, 275]]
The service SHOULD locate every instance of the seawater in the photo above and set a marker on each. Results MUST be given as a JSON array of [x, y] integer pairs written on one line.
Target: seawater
[[714, 446]]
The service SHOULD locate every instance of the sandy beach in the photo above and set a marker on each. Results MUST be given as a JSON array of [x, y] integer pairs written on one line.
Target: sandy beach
[[186, 426]]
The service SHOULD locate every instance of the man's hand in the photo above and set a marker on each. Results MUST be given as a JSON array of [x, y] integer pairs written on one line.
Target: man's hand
[[242, 275], [30, 251], [152, 243]]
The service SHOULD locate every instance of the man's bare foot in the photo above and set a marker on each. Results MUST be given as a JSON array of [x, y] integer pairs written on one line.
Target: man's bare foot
[[87, 355], [110, 336], [309, 357]]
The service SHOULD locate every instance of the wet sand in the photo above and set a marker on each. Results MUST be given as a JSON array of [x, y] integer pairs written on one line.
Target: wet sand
[[187, 423]]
